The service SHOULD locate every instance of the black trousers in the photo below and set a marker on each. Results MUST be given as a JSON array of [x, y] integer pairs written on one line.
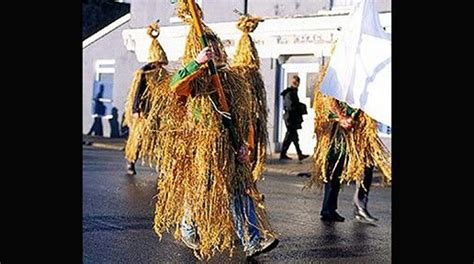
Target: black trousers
[[291, 136], [332, 187], [97, 128]]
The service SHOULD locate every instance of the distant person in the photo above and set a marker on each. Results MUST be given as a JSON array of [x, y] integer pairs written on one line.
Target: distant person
[[293, 116], [99, 111], [114, 124]]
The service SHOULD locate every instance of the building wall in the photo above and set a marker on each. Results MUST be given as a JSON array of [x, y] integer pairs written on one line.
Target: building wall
[[221, 11], [383, 5], [108, 47], [282, 8], [145, 11], [276, 38]]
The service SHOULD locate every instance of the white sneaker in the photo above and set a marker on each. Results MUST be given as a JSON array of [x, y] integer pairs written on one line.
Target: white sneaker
[[191, 241], [262, 247]]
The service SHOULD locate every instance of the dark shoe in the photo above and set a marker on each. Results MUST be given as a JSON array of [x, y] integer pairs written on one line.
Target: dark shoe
[[131, 169], [363, 215], [332, 217], [262, 247], [304, 174], [302, 156], [285, 157]]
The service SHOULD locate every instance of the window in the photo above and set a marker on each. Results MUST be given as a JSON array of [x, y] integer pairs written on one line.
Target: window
[[106, 77], [103, 67], [102, 88]]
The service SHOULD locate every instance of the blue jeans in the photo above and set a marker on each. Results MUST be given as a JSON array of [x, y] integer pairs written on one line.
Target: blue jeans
[[243, 211]]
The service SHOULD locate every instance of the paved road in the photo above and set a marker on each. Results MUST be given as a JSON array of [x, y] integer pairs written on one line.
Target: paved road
[[118, 216]]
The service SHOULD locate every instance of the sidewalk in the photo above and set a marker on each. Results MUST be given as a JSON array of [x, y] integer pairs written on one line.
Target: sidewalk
[[104, 142], [273, 165]]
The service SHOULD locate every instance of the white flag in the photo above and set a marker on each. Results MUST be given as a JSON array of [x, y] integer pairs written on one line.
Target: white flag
[[359, 71]]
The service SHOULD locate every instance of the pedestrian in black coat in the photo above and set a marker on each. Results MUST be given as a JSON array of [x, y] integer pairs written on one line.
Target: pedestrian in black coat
[[293, 116]]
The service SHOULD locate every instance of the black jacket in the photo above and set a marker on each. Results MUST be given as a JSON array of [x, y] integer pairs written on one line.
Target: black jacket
[[294, 110], [137, 99]]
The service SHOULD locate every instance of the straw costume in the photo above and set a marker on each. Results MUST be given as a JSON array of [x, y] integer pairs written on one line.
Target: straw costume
[[357, 148], [247, 63], [149, 85], [202, 153], [345, 154]]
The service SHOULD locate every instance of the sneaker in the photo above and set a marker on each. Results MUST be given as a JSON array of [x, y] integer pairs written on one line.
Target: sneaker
[[191, 241], [362, 215], [189, 235], [262, 247]]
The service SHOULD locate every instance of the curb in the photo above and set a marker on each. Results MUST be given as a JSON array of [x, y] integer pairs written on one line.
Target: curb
[[282, 171], [103, 146]]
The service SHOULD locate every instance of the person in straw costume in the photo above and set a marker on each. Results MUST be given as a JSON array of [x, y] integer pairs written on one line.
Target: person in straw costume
[[247, 63], [206, 193], [149, 85], [348, 148]]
